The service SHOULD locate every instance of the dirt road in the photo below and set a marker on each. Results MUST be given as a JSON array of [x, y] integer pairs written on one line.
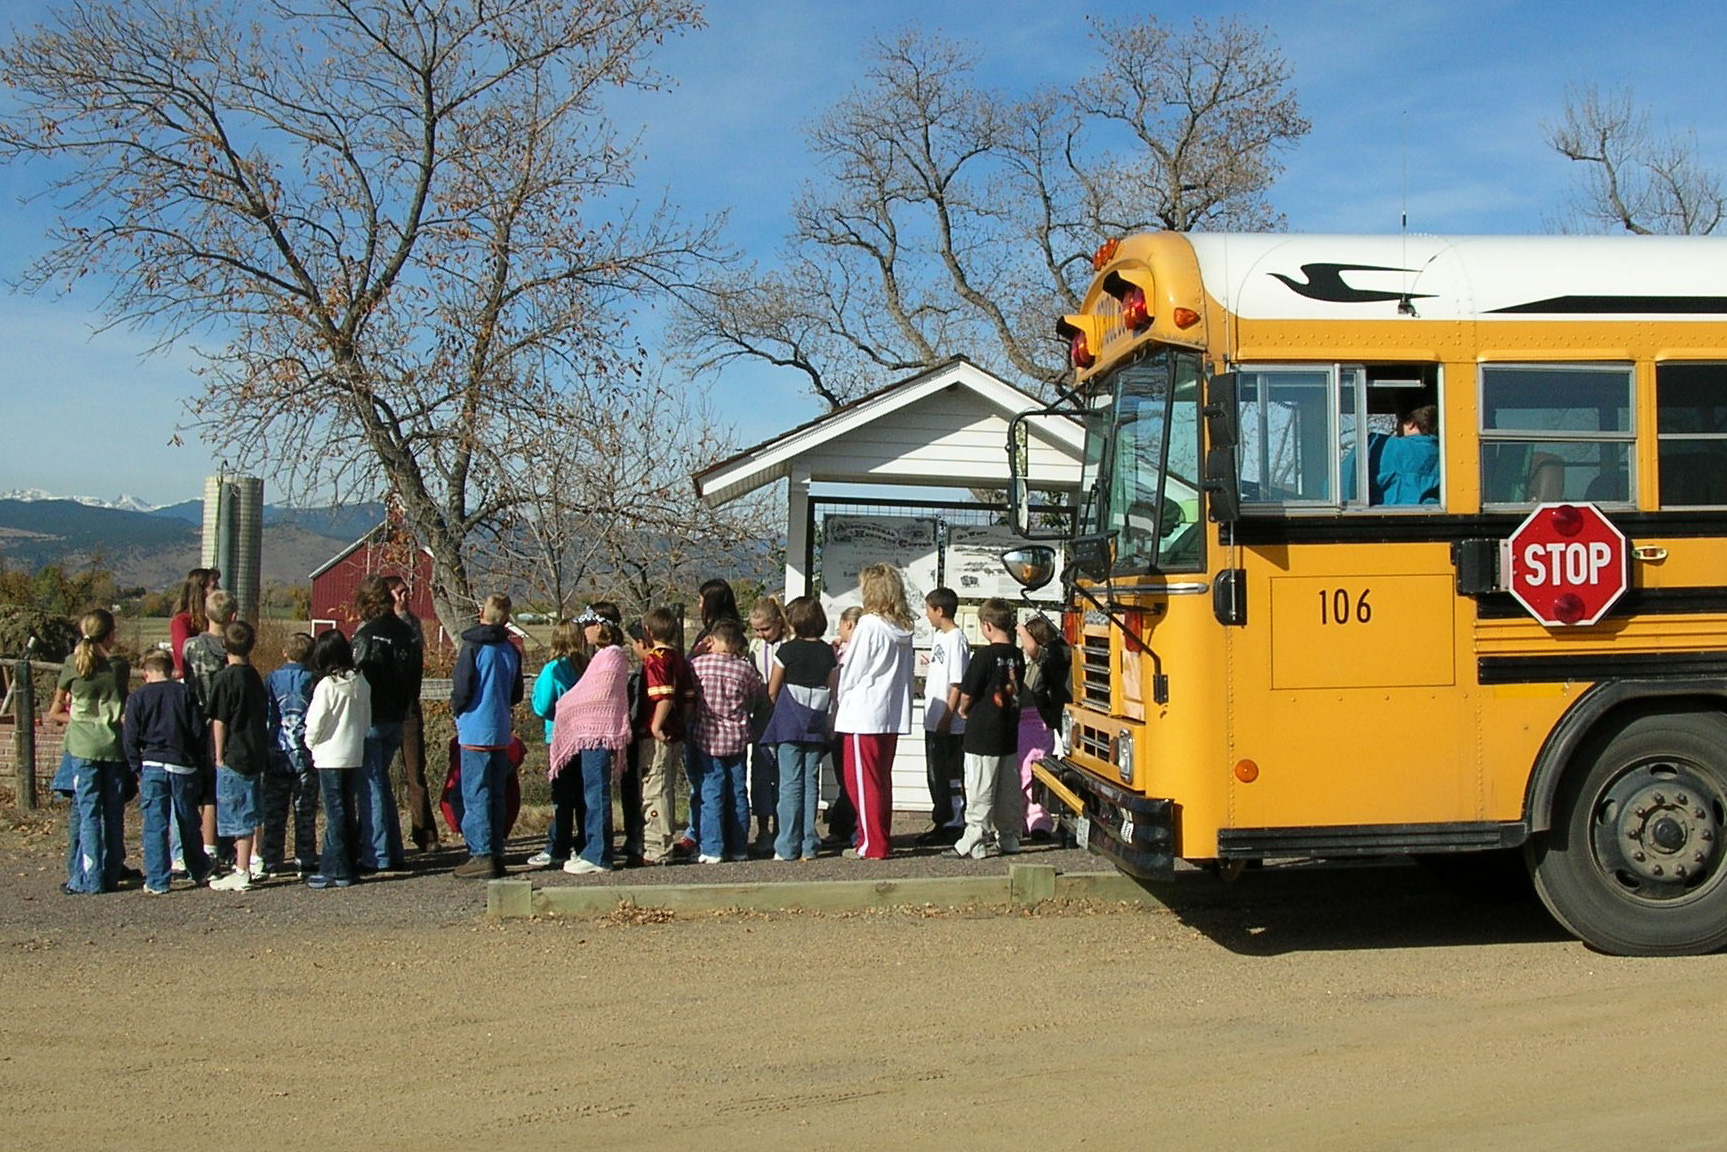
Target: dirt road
[[1368, 1011]]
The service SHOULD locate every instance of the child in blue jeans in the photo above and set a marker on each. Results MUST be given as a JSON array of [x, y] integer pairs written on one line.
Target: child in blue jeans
[[728, 691], [238, 706], [290, 779], [164, 737], [90, 700], [801, 686]]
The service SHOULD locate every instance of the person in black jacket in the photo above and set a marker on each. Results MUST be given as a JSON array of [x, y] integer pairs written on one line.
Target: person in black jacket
[[390, 656], [423, 827], [164, 742]]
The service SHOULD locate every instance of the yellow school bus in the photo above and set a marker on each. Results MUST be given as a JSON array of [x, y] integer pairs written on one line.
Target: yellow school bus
[[1289, 593]]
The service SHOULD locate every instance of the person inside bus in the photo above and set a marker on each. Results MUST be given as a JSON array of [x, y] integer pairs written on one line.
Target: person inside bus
[[1401, 469]]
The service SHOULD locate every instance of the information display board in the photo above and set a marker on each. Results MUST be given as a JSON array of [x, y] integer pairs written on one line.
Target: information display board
[[851, 543]]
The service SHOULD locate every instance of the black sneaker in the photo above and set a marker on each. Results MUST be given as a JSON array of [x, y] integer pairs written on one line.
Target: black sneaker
[[939, 836]]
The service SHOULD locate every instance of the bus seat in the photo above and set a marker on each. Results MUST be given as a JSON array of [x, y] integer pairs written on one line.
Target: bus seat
[[1607, 487], [1546, 482]]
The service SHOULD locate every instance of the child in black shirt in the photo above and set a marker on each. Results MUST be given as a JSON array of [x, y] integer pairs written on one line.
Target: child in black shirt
[[238, 710], [989, 702]]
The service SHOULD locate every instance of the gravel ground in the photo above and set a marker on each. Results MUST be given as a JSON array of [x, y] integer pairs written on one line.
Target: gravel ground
[[32, 867]]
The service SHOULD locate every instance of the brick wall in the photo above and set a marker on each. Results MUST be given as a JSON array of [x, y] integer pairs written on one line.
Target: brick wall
[[47, 752]]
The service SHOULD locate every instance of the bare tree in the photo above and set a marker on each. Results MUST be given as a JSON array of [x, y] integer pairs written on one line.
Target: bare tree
[[1633, 179], [612, 512], [957, 220], [399, 229]]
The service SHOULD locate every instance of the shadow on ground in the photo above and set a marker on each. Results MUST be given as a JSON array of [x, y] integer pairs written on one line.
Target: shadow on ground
[[1321, 907]]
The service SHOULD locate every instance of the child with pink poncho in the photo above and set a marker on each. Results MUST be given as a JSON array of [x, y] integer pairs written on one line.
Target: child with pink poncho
[[590, 731]]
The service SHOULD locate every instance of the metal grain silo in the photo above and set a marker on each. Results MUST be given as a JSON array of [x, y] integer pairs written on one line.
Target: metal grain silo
[[234, 537]]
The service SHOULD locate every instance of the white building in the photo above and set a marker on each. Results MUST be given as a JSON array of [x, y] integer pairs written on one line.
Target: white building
[[945, 428]]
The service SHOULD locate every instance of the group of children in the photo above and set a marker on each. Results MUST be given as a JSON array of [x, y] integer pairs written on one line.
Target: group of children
[[747, 723], [174, 745], [221, 738], [750, 722]]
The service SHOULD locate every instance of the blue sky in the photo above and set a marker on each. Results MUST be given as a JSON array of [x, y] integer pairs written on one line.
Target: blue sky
[[1455, 94]]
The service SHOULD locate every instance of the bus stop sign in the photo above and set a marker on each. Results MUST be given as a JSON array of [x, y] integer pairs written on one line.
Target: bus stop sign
[[1567, 564]]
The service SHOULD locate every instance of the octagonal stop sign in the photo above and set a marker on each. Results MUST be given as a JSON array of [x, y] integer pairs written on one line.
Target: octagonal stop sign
[[1567, 564]]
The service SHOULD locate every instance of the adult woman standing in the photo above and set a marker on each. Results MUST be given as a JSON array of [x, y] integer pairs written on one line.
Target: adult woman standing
[[1048, 666], [90, 700], [189, 618], [391, 658], [875, 705], [421, 820]]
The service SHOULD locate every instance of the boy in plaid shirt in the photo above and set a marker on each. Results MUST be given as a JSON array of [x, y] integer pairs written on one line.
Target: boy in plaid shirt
[[728, 691]]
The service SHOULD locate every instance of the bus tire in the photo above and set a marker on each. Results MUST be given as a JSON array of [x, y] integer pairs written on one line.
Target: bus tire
[[1633, 863]]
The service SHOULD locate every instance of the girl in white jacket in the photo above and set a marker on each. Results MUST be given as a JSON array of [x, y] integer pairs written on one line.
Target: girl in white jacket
[[875, 705], [336, 725]]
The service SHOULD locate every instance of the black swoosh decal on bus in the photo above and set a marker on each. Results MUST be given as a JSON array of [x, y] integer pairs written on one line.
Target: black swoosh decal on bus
[[1325, 282], [1620, 306]]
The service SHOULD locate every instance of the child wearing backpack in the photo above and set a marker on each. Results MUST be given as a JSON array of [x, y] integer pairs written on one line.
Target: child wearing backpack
[[559, 675], [290, 780]]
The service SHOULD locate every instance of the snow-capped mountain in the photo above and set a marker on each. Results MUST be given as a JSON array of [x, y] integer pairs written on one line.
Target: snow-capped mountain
[[124, 502]]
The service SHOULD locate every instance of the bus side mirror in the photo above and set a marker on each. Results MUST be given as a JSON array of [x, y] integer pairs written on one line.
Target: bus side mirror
[[1222, 479], [1222, 412], [1018, 464], [1222, 484], [1032, 566], [1019, 492]]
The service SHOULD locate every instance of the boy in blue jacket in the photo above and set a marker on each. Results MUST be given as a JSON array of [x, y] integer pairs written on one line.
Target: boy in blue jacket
[[487, 684], [289, 779], [164, 741]]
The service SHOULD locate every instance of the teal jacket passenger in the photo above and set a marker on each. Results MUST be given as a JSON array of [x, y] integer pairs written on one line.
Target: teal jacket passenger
[[1401, 469]]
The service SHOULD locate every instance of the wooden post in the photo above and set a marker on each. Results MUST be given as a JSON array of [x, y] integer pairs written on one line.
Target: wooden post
[[24, 734]]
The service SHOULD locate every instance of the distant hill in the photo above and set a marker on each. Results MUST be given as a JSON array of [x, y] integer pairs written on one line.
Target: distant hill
[[348, 522], [154, 549]]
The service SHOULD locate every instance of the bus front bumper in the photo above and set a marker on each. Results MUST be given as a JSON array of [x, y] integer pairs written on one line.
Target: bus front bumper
[[1135, 833]]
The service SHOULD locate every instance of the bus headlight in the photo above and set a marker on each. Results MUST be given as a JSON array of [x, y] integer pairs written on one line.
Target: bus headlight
[[1124, 756]]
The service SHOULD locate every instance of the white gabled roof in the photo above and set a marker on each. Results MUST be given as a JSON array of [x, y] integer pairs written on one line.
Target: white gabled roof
[[773, 459]]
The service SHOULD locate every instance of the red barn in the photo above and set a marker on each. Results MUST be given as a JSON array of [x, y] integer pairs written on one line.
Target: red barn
[[383, 553]]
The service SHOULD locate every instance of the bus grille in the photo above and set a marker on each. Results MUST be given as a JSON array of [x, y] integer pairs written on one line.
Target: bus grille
[[1094, 742], [1094, 671]]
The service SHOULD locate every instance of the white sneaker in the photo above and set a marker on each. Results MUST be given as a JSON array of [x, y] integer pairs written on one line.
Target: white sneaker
[[540, 859], [235, 881], [577, 866], [975, 850], [257, 869], [709, 860], [178, 864]]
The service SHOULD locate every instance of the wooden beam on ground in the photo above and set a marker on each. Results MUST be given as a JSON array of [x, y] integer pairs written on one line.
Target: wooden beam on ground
[[1023, 884]]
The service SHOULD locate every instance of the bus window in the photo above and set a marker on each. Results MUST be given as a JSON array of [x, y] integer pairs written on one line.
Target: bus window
[[1319, 435], [1286, 435], [1554, 432], [1691, 426]]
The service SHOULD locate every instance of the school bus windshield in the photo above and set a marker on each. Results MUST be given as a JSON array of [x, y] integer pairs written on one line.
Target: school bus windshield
[[1142, 463]]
